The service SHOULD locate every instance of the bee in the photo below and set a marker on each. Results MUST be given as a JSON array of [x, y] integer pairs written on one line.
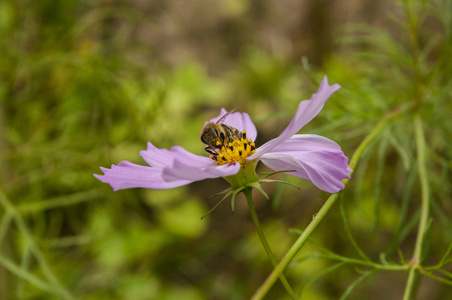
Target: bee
[[217, 135]]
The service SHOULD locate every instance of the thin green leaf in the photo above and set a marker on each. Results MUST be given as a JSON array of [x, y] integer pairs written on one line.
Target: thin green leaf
[[382, 150], [21, 273], [20, 223], [361, 170], [403, 153], [309, 256], [296, 231], [448, 274], [24, 264], [278, 195], [60, 201], [437, 278], [348, 232], [401, 257], [4, 225], [443, 259], [355, 283], [321, 274], [403, 229], [383, 259], [443, 218]]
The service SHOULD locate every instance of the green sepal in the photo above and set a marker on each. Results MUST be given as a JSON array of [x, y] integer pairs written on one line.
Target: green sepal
[[258, 187], [247, 178], [218, 204], [267, 174], [234, 195], [226, 191], [279, 181]]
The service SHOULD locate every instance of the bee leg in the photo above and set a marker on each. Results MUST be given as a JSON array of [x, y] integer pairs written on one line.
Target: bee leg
[[211, 151], [223, 138]]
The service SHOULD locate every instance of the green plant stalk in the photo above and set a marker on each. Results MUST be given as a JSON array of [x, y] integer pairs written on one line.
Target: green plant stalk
[[355, 261], [3, 144], [434, 277], [66, 200], [10, 209], [249, 199], [296, 247], [425, 205], [21, 273]]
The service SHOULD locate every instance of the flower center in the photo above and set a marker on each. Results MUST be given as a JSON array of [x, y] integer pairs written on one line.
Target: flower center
[[236, 151]]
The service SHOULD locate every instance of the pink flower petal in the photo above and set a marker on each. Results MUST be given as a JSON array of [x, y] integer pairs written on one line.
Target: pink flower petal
[[184, 169], [312, 157], [156, 157], [128, 175], [168, 169], [306, 111], [240, 121]]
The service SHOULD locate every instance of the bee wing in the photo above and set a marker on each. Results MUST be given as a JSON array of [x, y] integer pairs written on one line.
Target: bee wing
[[225, 116]]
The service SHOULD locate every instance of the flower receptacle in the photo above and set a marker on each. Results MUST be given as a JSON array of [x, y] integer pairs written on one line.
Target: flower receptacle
[[244, 177]]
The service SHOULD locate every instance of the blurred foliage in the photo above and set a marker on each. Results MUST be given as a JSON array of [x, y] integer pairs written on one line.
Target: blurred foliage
[[80, 88]]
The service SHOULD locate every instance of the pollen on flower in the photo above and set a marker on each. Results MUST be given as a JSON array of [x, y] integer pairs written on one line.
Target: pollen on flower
[[236, 151]]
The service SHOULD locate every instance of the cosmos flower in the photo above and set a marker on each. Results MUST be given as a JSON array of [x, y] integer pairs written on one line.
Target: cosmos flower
[[307, 156]]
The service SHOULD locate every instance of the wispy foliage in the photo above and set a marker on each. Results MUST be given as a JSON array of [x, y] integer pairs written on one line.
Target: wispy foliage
[[80, 89]]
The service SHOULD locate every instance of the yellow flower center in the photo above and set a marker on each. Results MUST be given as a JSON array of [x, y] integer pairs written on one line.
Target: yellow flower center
[[236, 151]]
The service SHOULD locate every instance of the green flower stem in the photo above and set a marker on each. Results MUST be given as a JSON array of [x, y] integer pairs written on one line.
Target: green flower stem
[[425, 205], [270, 255], [296, 247]]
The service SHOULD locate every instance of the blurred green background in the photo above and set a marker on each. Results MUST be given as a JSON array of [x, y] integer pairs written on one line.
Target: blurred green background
[[87, 83]]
